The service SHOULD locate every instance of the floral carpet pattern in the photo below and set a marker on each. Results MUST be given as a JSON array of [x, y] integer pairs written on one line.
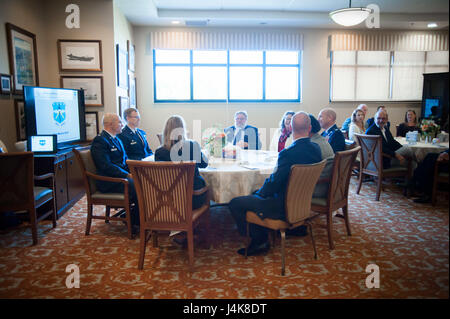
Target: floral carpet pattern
[[408, 242]]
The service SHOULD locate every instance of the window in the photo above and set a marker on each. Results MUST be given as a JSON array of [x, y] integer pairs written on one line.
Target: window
[[226, 76], [382, 75]]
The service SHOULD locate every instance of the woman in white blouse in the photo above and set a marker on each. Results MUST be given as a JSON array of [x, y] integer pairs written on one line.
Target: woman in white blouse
[[357, 124]]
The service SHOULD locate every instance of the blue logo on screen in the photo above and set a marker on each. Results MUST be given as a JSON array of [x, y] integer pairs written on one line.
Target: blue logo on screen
[[59, 112], [41, 142]]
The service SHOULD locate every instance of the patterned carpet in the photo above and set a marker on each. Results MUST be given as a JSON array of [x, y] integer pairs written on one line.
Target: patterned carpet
[[409, 242]]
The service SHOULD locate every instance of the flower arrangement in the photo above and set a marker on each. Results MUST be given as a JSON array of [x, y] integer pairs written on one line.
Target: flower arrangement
[[429, 128], [213, 139]]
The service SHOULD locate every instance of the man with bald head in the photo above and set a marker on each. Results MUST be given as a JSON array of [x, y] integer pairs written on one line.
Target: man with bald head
[[346, 124], [110, 158], [334, 136], [268, 201]]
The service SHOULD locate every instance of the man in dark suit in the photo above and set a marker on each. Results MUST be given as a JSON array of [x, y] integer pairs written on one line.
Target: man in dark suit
[[110, 159], [133, 138], [241, 134], [327, 120], [389, 145], [371, 121], [268, 201]]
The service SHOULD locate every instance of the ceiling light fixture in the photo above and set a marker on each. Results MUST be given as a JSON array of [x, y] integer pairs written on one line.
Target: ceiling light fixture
[[432, 25], [350, 16]]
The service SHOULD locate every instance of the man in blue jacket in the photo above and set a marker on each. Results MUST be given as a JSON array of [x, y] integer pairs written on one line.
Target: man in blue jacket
[[327, 120], [243, 135], [133, 138], [110, 158], [268, 201]]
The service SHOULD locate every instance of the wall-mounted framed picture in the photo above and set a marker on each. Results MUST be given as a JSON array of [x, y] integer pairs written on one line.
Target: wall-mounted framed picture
[[132, 94], [92, 128], [124, 103], [131, 49], [122, 67], [92, 86], [5, 84], [19, 107], [22, 53], [80, 55]]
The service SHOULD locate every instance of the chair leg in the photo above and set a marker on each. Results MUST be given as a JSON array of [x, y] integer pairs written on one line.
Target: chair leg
[[190, 237], [330, 229], [283, 243], [54, 209], [347, 221], [379, 184], [33, 224], [89, 219], [361, 176], [142, 245], [107, 214], [312, 239], [128, 217]]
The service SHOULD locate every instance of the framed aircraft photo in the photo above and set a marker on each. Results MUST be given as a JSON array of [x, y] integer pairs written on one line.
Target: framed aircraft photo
[[80, 55]]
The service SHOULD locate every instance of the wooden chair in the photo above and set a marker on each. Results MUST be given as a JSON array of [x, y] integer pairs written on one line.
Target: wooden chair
[[164, 191], [302, 180], [371, 162], [18, 192], [337, 196], [95, 197], [439, 177], [349, 144]]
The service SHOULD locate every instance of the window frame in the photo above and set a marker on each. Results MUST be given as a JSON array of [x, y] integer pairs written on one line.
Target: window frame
[[229, 65]]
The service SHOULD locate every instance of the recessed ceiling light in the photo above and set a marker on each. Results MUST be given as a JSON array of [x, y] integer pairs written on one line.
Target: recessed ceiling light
[[175, 22], [432, 25]]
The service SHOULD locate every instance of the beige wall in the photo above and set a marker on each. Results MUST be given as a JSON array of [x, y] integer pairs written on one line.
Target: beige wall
[[46, 18], [315, 94]]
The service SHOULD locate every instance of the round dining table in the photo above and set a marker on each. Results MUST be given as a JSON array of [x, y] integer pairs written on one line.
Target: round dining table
[[421, 149], [230, 178]]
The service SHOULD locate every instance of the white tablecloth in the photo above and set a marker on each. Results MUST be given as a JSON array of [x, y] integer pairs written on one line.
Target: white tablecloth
[[421, 149], [228, 178]]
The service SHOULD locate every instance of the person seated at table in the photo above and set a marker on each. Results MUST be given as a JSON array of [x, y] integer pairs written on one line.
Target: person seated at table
[[409, 125], [268, 201], [334, 136], [108, 154], [389, 145], [325, 148], [423, 177], [371, 120], [243, 135], [357, 124], [283, 135], [348, 120], [176, 147], [133, 138]]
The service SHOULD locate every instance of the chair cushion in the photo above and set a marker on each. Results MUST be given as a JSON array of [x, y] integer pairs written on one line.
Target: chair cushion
[[116, 196], [320, 201], [41, 192]]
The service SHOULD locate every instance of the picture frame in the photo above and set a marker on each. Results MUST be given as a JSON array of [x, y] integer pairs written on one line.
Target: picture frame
[[132, 91], [124, 103], [80, 55], [19, 108], [131, 49], [5, 84], [92, 127], [23, 61], [92, 86], [122, 67]]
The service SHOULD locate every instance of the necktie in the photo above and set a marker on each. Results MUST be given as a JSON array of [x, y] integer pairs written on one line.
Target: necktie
[[140, 137]]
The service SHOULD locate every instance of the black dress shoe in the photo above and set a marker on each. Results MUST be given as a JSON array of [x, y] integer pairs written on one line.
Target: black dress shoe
[[254, 250], [423, 200], [299, 231]]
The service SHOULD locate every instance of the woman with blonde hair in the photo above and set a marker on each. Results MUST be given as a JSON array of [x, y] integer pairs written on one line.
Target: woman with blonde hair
[[176, 147], [357, 124]]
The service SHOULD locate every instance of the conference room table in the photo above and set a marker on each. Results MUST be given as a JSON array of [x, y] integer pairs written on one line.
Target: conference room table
[[421, 148]]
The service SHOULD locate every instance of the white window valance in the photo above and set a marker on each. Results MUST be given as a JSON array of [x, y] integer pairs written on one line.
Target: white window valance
[[392, 41], [223, 40]]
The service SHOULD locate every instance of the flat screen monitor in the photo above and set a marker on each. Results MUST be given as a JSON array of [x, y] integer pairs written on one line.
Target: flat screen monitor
[[56, 111], [432, 107], [43, 144]]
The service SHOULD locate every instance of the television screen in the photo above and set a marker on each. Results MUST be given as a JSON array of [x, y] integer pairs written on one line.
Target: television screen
[[42, 143], [55, 111], [431, 105]]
